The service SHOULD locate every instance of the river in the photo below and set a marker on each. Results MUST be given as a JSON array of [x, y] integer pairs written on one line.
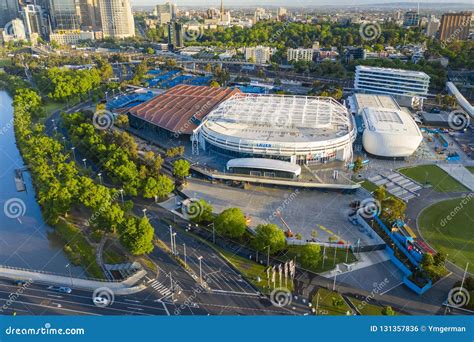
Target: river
[[25, 239]]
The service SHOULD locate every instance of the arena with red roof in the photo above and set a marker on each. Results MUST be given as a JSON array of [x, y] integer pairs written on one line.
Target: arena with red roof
[[180, 110]]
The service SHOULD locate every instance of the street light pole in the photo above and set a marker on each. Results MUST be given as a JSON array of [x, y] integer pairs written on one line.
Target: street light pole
[[121, 195], [268, 256], [175, 249], [84, 161], [100, 177], [185, 263], [73, 152], [68, 266], [200, 269], [171, 239], [144, 212]]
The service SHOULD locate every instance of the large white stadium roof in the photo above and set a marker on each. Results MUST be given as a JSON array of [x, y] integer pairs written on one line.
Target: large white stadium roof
[[280, 118]]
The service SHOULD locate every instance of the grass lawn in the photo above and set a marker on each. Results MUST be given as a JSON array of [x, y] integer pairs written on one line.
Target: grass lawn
[[470, 168], [367, 309], [369, 186], [456, 236], [440, 180], [323, 302], [255, 273], [329, 264], [5, 62], [78, 249]]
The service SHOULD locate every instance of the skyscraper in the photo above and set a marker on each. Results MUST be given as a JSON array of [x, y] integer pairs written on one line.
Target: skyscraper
[[175, 36], [165, 13], [411, 19], [64, 14], [117, 18], [90, 14], [9, 10], [455, 26], [34, 20]]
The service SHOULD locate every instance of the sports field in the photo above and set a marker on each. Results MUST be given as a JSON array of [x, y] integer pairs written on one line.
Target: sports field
[[448, 226]]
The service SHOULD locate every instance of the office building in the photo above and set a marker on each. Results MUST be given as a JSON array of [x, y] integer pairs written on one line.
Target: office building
[[64, 14], [165, 13], [35, 21], [89, 11], [408, 87], [258, 54], [295, 55], [282, 13], [175, 36], [117, 18], [432, 27], [14, 31], [455, 26], [9, 10], [411, 19]]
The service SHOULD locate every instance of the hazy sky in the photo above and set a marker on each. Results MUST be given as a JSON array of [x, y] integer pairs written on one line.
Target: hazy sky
[[288, 3]]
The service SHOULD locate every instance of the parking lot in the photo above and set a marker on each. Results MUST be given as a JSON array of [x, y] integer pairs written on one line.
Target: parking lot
[[304, 211]]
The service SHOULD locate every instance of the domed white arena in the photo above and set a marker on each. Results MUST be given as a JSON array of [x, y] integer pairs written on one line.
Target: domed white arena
[[390, 133], [298, 129]]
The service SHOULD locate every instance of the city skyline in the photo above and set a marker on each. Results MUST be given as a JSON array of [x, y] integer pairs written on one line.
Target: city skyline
[[288, 3]]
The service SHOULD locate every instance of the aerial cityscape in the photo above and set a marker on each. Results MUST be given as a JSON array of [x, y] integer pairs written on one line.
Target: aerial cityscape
[[226, 158]]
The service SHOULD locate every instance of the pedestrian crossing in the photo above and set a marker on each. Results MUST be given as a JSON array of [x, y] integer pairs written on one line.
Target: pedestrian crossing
[[159, 287]]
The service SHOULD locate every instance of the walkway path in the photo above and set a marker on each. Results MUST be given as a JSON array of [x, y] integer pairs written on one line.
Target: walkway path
[[128, 286]]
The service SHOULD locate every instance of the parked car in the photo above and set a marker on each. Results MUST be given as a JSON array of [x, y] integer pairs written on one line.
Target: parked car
[[61, 289]]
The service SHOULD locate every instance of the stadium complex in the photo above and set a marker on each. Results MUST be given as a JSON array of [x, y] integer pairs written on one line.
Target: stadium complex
[[296, 129]]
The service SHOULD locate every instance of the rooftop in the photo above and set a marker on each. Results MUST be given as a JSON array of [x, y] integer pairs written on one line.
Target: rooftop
[[392, 71], [180, 109], [374, 101], [389, 121], [265, 164]]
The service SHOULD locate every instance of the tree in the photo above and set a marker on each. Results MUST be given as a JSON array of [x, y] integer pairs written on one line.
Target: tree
[[214, 84], [439, 258], [269, 235], [231, 222], [200, 211], [310, 256], [357, 165], [181, 168], [160, 187], [427, 260], [138, 236], [388, 311], [393, 209]]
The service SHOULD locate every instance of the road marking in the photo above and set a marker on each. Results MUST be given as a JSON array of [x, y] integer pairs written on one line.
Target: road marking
[[131, 300], [54, 296], [237, 293], [164, 306], [134, 308], [390, 289]]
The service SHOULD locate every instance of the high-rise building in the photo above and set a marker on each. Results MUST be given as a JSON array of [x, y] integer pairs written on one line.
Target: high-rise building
[[259, 54], [14, 31], [455, 26], [408, 87], [9, 10], [175, 36], [117, 18], [432, 27], [35, 22], [65, 14], [411, 19], [295, 55], [89, 12], [282, 13], [165, 13]]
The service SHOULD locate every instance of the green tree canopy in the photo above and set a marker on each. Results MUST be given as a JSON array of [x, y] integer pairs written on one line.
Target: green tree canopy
[[269, 235], [231, 222]]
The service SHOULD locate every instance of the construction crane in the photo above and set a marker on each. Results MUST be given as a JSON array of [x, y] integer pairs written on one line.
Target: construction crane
[[289, 232]]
